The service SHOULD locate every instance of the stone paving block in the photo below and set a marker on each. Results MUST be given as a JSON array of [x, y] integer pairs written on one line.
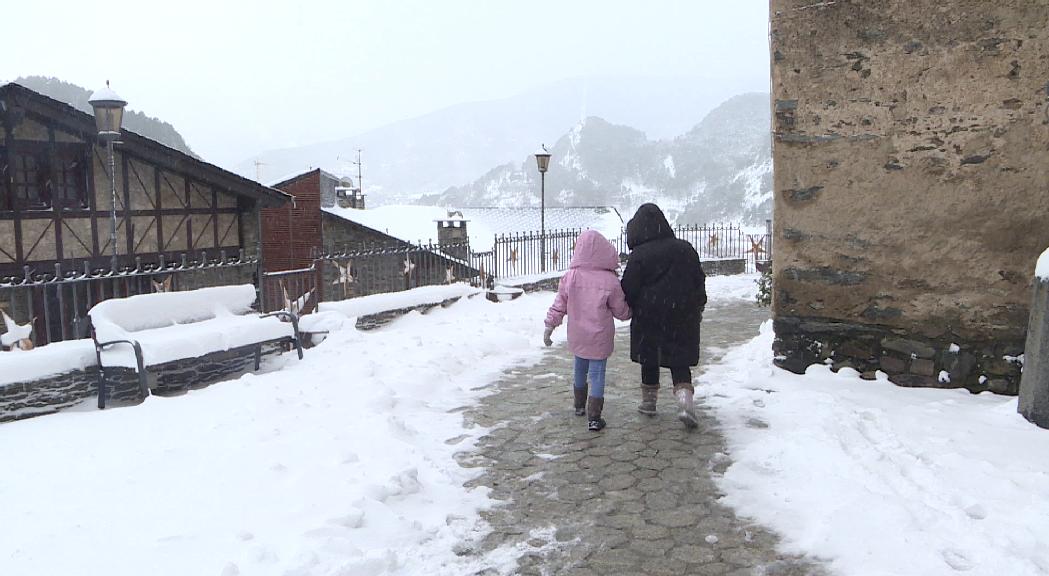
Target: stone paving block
[[636, 498]]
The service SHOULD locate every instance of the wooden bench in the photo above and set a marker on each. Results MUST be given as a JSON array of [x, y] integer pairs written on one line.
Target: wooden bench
[[153, 329]]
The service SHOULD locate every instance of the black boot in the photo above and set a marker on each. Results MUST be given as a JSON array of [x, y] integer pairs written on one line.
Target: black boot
[[580, 400], [649, 394], [593, 414]]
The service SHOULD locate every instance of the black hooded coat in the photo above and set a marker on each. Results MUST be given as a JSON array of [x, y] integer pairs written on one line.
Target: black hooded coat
[[666, 289]]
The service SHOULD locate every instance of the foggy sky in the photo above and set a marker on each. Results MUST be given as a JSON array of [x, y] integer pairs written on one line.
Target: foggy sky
[[238, 77]]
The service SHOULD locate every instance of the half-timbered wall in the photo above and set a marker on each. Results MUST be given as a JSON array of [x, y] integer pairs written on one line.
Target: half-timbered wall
[[55, 202]]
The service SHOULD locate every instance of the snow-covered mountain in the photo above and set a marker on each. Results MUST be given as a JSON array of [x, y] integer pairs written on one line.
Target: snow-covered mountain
[[720, 170], [451, 147]]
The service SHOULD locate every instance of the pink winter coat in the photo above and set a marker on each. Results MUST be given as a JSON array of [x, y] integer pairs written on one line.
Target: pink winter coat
[[590, 295]]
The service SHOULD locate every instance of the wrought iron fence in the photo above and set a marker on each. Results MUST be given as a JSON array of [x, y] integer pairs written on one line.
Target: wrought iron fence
[[522, 254], [365, 270], [527, 253], [294, 291], [56, 301]]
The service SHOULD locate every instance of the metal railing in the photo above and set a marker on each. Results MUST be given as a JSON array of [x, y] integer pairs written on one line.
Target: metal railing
[[521, 254], [339, 274], [526, 253], [57, 300]]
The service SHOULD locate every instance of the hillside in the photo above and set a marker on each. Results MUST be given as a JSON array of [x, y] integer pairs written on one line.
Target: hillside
[[452, 146], [137, 122], [719, 170]]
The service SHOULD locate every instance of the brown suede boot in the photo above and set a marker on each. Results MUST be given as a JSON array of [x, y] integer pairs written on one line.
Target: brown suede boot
[[648, 399], [594, 421], [580, 401], [684, 393]]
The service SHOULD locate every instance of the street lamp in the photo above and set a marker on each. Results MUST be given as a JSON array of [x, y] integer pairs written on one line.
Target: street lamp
[[109, 114], [542, 160]]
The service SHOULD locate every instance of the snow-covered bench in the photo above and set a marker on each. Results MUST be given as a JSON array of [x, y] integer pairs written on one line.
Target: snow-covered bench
[[152, 329]]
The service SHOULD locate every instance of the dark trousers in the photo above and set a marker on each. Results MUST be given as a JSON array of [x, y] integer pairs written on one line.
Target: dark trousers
[[650, 374]]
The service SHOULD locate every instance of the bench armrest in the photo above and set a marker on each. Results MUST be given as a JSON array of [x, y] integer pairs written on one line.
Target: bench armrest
[[294, 318], [143, 384]]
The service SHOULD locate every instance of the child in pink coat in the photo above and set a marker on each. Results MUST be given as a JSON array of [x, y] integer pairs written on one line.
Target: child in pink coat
[[590, 294]]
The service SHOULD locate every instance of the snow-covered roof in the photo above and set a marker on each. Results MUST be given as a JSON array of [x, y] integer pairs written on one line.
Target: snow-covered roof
[[419, 223], [1042, 269], [299, 173], [413, 224]]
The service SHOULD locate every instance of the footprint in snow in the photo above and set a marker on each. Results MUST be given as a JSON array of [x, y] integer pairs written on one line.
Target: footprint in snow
[[976, 511], [350, 458], [353, 519], [957, 560], [757, 423]]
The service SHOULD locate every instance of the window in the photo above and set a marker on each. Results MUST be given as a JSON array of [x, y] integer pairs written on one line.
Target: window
[[45, 177], [70, 179], [31, 181]]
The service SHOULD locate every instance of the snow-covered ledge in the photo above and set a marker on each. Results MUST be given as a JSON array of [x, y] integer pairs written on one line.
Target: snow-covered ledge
[[1034, 383]]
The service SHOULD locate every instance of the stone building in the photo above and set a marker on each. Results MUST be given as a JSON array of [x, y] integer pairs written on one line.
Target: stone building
[[295, 236], [55, 202], [911, 162]]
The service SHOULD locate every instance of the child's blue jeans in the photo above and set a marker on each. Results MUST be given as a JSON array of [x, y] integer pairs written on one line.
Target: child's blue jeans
[[596, 370]]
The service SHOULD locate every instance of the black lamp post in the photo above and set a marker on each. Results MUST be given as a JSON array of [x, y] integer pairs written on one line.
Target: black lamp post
[[109, 114], [542, 160]]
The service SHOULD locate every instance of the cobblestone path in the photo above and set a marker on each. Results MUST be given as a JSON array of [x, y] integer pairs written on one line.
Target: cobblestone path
[[637, 498]]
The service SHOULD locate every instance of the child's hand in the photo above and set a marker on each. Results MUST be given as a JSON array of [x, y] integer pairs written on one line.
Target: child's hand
[[546, 335]]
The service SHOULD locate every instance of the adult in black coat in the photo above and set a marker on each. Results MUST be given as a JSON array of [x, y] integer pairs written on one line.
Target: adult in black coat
[[666, 289]]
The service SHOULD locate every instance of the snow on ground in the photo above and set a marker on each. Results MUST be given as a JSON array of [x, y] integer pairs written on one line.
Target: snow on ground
[[339, 464], [735, 287], [878, 479]]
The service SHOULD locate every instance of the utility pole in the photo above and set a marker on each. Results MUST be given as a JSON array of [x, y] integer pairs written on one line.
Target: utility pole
[[360, 186]]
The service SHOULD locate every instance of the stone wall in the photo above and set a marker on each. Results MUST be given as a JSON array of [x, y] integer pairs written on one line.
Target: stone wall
[[380, 319], [49, 395], [910, 162], [1034, 387], [27, 399], [725, 267]]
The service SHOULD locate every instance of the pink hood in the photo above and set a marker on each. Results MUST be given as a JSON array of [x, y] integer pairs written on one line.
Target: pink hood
[[594, 252], [590, 295]]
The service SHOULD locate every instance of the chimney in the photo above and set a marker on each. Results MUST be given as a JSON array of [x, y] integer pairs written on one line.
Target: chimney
[[347, 196], [452, 236]]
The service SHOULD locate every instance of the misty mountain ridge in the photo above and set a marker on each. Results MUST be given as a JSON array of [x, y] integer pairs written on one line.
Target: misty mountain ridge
[[720, 170], [452, 146], [134, 121]]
